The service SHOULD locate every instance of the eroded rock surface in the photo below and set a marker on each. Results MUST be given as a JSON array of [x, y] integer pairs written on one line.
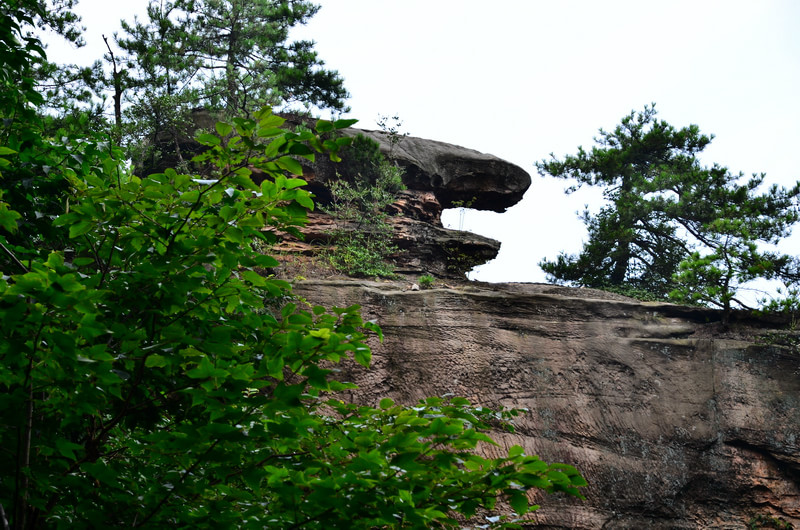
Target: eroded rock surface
[[675, 421], [423, 247], [437, 176], [455, 174]]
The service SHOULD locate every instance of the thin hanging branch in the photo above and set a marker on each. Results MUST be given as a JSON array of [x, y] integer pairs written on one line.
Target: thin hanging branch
[[117, 77]]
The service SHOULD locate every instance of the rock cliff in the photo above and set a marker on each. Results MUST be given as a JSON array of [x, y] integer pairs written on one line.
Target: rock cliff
[[437, 175], [675, 420]]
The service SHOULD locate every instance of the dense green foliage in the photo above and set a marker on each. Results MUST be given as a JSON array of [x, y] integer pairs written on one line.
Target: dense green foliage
[[426, 281], [229, 57], [367, 185], [232, 55], [672, 228], [150, 376]]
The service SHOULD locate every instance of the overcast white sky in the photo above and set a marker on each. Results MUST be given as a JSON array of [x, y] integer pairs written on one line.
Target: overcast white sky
[[523, 78]]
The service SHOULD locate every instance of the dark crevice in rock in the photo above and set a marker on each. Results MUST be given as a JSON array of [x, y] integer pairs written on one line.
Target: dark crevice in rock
[[786, 464]]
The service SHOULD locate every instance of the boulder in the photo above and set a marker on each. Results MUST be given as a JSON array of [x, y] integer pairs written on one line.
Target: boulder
[[437, 175], [457, 176]]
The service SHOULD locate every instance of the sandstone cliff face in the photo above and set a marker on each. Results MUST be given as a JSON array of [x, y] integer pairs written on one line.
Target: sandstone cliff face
[[675, 421]]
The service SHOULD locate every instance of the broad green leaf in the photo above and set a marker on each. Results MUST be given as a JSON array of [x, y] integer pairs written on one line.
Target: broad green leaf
[[254, 278], [519, 502], [205, 369], [190, 196], [290, 164], [208, 139], [8, 218], [363, 356], [294, 183], [80, 228], [270, 121], [305, 201], [235, 234], [156, 361], [515, 450], [344, 123], [323, 333], [67, 449], [323, 126], [223, 129], [265, 261]]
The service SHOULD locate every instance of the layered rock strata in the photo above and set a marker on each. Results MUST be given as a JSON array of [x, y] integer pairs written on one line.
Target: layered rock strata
[[437, 175], [675, 420]]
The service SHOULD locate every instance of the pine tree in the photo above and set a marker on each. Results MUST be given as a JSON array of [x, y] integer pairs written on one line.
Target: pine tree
[[671, 224], [229, 57]]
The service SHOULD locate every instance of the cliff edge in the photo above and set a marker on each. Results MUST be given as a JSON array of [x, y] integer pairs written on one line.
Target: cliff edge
[[674, 420]]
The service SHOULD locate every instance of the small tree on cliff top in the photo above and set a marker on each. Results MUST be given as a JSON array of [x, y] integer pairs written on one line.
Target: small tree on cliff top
[[152, 378], [672, 228], [229, 55]]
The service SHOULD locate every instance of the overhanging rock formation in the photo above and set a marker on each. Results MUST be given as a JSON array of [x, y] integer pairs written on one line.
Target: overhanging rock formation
[[456, 175], [675, 420], [437, 176]]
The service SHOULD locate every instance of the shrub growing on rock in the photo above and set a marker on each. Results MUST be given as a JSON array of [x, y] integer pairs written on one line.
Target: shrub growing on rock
[[368, 184]]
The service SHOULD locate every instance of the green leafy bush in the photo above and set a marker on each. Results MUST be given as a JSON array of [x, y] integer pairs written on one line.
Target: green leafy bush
[[426, 281], [151, 378], [145, 384], [362, 243], [361, 254]]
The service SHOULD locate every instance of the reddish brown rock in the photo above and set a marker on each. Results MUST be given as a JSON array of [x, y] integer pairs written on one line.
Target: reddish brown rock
[[437, 176], [675, 421]]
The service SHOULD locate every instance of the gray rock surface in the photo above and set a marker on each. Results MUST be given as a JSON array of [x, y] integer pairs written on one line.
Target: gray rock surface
[[454, 173]]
